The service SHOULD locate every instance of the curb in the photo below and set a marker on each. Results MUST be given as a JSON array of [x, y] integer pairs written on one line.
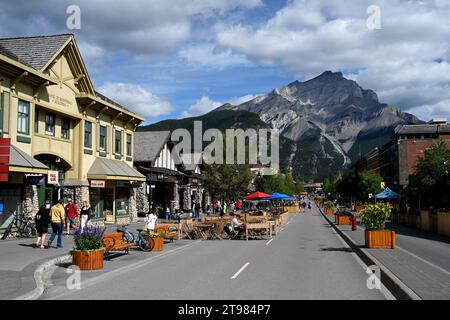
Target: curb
[[397, 288], [39, 277]]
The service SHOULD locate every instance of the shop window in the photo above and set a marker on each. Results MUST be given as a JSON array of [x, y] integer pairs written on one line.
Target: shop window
[[23, 117], [65, 128], [87, 134], [118, 142], [128, 144], [50, 124], [122, 196], [103, 138]]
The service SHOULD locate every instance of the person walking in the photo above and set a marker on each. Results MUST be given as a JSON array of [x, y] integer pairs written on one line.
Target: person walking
[[57, 217], [85, 214], [150, 222], [71, 214], [197, 209], [42, 219]]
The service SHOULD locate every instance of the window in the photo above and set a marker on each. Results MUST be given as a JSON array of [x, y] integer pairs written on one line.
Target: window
[[87, 134], [65, 128], [23, 117], [50, 124], [36, 120], [118, 142], [103, 138], [128, 144]]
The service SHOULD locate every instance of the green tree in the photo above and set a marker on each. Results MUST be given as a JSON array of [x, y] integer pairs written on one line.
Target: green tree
[[369, 182], [329, 186], [430, 184]]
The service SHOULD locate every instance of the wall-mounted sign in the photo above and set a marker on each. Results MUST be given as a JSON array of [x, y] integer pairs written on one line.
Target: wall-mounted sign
[[4, 159], [60, 101], [98, 183], [136, 184], [52, 177]]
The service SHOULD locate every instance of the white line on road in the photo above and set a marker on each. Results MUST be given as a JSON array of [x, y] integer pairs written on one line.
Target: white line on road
[[421, 259], [268, 242], [424, 261], [240, 270]]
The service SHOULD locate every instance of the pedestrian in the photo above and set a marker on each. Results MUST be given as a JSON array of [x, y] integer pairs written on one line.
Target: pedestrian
[[208, 210], [225, 207], [238, 205], [57, 217], [167, 213], [85, 214], [150, 222], [309, 205], [71, 214], [42, 219], [197, 209]]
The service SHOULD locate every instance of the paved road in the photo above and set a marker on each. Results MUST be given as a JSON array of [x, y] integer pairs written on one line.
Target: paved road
[[421, 260], [307, 260]]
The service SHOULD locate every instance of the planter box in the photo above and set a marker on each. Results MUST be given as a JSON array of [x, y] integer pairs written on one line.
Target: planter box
[[380, 239], [443, 223], [342, 219], [158, 244], [329, 211], [88, 260]]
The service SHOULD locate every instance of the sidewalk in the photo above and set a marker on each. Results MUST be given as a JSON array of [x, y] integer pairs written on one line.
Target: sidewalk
[[19, 260], [421, 260]]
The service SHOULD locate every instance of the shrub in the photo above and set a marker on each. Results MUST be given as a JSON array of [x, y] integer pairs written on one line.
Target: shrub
[[89, 239], [329, 204], [374, 216]]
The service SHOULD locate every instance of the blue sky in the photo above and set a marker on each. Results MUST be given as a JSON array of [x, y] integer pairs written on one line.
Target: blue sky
[[173, 58]]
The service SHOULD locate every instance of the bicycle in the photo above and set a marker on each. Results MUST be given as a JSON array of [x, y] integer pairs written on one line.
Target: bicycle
[[142, 239], [25, 227]]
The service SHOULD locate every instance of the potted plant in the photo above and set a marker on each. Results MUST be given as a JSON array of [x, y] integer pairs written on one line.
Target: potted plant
[[342, 217], [329, 207], [88, 252], [374, 219], [158, 240]]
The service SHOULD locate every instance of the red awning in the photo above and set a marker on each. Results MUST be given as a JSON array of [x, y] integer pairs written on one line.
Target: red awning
[[257, 195]]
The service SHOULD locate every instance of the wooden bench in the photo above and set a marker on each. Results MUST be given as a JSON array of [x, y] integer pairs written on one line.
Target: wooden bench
[[115, 242], [258, 229]]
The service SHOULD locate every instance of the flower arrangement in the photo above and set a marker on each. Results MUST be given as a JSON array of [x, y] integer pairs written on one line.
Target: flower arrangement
[[89, 239], [329, 204], [374, 216], [157, 234]]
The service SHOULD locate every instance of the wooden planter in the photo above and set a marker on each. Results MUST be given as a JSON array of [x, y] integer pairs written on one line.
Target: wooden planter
[[329, 211], [384, 239], [342, 219], [158, 244], [88, 260]]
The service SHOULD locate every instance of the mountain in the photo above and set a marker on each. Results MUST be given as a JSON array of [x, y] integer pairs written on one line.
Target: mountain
[[326, 123], [330, 115]]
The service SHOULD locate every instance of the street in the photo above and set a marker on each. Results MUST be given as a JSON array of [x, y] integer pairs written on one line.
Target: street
[[307, 260]]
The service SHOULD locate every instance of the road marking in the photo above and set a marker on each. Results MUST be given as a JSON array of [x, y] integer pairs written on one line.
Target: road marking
[[268, 242], [424, 261], [240, 270]]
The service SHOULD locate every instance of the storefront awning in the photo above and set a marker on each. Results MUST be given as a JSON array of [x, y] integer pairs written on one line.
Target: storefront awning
[[108, 169], [20, 161]]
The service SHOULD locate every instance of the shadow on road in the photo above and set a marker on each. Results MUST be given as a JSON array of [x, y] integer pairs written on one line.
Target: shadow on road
[[417, 233], [336, 249]]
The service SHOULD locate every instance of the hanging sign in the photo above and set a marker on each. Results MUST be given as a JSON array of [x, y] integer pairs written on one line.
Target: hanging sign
[[52, 177]]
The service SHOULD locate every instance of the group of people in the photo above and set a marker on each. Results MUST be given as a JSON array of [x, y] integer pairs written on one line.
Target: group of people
[[223, 207], [59, 216]]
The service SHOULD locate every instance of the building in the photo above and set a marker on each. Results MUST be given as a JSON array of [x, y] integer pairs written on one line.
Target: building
[[172, 183], [396, 160], [64, 139]]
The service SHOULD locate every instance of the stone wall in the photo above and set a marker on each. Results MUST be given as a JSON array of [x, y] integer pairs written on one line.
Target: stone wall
[[81, 194], [133, 204], [31, 201], [142, 204]]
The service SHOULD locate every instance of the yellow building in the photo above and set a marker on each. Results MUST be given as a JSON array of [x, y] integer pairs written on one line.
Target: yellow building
[[65, 140]]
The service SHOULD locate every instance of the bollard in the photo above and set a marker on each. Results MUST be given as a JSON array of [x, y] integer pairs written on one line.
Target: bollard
[[354, 225]]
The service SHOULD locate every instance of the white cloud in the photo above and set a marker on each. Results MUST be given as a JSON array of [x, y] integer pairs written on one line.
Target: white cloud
[[201, 106], [398, 61], [137, 99], [140, 27], [210, 56]]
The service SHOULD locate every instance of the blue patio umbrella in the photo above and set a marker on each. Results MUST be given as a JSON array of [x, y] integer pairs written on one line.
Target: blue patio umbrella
[[387, 194]]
